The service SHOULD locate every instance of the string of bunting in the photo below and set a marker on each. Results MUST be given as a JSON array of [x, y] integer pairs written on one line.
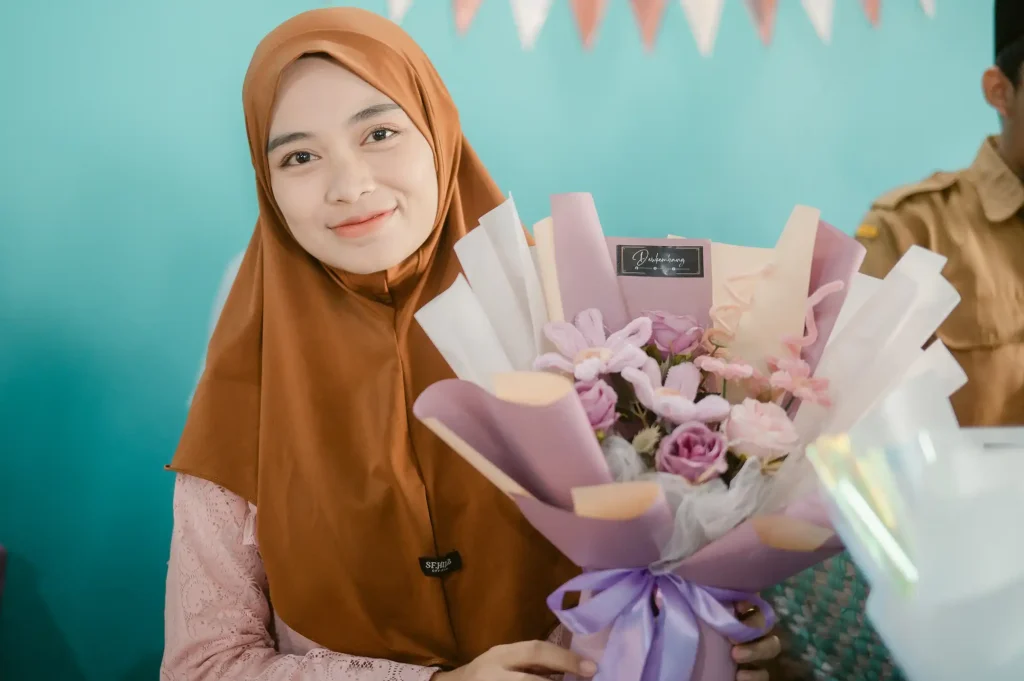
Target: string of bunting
[[703, 16]]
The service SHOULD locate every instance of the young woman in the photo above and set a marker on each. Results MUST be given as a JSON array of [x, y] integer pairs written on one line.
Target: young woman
[[365, 182]]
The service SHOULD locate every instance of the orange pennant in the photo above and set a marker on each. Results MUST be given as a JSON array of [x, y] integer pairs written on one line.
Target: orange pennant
[[588, 16], [648, 18], [873, 8], [763, 13], [464, 10]]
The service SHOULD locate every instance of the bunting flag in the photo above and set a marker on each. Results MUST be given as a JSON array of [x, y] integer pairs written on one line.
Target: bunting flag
[[397, 9], [464, 11], [929, 8], [763, 14], [704, 17], [530, 16], [648, 18], [821, 12], [873, 8], [588, 17]]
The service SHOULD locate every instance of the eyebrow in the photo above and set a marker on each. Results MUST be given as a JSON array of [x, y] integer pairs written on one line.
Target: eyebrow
[[366, 114]]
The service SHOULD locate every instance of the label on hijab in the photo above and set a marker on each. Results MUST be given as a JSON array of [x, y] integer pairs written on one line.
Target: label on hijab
[[440, 566], [659, 261]]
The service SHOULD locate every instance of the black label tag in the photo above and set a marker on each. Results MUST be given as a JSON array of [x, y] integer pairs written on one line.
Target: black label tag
[[442, 565], [660, 261]]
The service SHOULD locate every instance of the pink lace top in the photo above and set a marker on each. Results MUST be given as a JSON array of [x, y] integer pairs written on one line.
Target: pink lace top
[[218, 620]]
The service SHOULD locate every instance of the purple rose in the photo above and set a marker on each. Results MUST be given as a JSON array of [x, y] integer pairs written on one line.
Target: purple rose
[[692, 451], [674, 334], [599, 400]]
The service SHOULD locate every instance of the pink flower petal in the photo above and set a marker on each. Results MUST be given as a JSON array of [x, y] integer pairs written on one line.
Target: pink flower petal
[[567, 338], [553, 360], [712, 408], [684, 379], [636, 333], [642, 385], [675, 408], [626, 356], [653, 371], [590, 324]]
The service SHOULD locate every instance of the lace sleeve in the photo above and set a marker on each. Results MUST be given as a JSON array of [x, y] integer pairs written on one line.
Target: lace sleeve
[[217, 617]]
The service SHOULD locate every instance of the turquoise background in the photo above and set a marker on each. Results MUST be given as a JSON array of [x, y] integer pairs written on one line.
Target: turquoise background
[[126, 187]]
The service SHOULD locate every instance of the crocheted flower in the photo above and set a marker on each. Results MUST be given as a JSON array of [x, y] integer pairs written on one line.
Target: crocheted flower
[[674, 400], [599, 400], [674, 334], [723, 368], [760, 429], [584, 350], [692, 451], [794, 376]]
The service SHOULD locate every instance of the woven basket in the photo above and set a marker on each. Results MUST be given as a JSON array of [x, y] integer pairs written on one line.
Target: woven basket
[[825, 634]]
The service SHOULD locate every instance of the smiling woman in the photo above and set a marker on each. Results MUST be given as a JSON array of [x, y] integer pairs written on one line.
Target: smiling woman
[[354, 178], [384, 554]]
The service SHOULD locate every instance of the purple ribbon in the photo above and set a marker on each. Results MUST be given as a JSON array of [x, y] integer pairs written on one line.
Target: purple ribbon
[[644, 645]]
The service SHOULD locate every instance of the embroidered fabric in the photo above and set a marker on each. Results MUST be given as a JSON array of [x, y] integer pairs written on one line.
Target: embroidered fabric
[[218, 620]]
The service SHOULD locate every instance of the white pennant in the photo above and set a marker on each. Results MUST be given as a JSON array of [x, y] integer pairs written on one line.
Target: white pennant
[[821, 12], [704, 17], [397, 9], [530, 16], [929, 7]]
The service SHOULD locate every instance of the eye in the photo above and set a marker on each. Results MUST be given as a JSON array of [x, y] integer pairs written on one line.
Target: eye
[[298, 158], [380, 135]]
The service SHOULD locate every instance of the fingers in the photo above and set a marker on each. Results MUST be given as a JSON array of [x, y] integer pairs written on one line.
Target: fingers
[[761, 650], [545, 656]]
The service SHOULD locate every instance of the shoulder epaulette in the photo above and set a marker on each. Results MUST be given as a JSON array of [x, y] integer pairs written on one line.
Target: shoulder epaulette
[[935, 183]]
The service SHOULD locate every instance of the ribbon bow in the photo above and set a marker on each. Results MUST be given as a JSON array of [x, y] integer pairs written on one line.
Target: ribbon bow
[[645, 645]]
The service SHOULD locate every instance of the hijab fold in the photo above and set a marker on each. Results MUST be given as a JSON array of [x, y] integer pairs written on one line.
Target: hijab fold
[[304, 407]]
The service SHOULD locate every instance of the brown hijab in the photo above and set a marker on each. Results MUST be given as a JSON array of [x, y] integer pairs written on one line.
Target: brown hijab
[[305, 405]]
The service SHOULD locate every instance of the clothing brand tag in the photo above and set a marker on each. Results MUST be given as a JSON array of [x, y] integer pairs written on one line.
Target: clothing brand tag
[[441, 565], [660, 261]]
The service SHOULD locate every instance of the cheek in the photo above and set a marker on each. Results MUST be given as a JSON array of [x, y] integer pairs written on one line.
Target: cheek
[[299, 201], [413, 175]]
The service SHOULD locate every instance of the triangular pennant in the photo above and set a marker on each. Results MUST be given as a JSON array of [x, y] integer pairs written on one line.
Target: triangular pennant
[[873, 8], [464, 10], [530, 16], [763, 14], [648, 18], [821, 13], [588, 16], [704, 17], [929, 7], [397, 9]]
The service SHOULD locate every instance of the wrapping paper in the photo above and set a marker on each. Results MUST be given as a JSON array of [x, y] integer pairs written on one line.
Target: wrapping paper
[[635, 538], [931, 514]]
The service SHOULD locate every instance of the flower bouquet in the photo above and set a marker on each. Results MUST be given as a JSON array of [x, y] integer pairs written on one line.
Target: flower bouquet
[[931, 514], [646, 404]]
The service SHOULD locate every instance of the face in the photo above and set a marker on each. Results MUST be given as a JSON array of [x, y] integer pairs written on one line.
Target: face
[[1008, 101], [353, 176]]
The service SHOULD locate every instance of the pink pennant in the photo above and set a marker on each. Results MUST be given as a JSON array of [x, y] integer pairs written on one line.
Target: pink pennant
[[873, 8], [588, 16], [763, 13], [464, 10], [648, 18]]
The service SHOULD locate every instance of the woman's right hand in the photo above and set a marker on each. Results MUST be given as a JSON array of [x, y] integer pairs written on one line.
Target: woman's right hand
[[523, 661]]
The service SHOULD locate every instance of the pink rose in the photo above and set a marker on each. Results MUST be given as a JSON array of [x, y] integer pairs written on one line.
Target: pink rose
[[674, 334], [599, 400], [760, 429], [692, 451]]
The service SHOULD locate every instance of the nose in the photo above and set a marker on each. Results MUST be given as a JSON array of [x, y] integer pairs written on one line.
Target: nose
[[350, 179]]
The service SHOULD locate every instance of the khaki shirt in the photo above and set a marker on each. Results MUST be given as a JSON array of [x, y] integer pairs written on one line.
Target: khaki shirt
[[973, 218]]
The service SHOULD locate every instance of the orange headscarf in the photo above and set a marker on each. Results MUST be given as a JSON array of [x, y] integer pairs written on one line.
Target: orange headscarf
[[304, 407]]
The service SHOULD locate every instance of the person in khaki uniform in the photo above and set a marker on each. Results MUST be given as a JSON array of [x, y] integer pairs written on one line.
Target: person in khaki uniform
[[973, 217]]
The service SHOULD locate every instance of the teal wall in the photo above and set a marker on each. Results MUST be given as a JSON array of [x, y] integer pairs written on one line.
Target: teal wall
[[125, 187]]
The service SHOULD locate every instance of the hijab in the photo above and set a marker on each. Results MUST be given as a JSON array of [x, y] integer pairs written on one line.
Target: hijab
[[304, 408]]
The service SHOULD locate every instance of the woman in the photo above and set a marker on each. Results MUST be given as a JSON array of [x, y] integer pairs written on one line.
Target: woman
[[365, 182]]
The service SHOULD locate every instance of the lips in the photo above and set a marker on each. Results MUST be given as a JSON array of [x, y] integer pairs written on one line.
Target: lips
[[363, 224]]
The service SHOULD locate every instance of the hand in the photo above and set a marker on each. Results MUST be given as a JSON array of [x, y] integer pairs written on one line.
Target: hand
[[762, 650], [523, 661]]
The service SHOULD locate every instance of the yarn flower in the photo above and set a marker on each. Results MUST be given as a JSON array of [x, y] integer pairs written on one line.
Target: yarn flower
[[794, 376], [674, 400], [586, 352], [723, 368]]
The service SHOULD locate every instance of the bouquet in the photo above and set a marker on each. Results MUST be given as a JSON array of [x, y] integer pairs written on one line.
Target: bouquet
[[931, 513], [646, 403]]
